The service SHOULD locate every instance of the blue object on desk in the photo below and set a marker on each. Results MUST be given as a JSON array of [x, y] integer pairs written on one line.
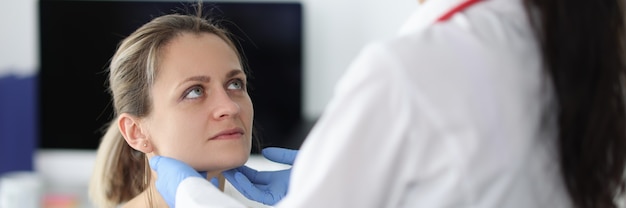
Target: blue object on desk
[[18, 122]]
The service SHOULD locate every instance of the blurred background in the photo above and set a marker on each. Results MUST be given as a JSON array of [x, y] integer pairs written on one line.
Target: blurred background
[[52, 54]]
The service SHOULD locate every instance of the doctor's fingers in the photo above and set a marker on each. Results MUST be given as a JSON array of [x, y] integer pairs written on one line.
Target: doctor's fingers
[[280, 155], [247, 171]]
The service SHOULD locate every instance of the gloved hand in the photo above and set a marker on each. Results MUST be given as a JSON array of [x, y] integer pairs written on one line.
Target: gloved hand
[[267, 187], [170, 172]]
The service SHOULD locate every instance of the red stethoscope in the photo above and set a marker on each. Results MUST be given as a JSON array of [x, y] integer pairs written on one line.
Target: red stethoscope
[[456, 9]]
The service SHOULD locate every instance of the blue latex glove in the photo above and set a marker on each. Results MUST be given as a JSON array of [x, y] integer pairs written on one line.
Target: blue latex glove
[[170, 172], [267, 187]]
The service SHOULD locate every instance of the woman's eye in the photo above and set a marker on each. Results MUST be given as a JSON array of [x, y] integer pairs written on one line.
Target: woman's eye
[[236, 85], [194, 93]]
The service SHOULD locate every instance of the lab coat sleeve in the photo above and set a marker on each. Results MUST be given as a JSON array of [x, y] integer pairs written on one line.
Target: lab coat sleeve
[[196, 192], [357, 154]]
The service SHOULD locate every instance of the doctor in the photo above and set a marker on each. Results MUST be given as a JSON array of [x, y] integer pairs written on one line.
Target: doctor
[[494, 103]]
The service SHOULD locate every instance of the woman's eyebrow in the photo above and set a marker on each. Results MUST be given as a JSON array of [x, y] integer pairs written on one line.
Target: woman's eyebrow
[[205, 79], [234, 72], [196, 79]]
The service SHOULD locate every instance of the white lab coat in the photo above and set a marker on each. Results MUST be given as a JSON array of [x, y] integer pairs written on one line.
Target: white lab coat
[[196, 191], [451, 114]]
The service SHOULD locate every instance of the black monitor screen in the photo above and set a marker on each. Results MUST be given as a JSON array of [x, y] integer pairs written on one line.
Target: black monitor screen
[[78, 38]]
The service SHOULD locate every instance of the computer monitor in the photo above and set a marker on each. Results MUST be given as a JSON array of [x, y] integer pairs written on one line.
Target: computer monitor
[[78, 38]]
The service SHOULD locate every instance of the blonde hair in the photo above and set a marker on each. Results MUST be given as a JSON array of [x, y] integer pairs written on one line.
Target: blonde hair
[[119, 170]]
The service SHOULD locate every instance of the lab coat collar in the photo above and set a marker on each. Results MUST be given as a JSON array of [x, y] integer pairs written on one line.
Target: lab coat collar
[[426, 14]]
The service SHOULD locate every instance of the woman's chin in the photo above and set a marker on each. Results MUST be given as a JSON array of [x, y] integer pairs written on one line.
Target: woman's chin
[[221, 166]]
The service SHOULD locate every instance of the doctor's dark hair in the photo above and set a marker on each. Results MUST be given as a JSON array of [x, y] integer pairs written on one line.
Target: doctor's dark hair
[[583, 51], [119, 169]]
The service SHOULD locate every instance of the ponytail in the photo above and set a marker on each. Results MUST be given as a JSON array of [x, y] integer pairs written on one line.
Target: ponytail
[[582, 43], [114, 179]]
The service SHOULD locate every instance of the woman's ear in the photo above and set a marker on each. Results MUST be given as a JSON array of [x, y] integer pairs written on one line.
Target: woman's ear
[[133, 133]]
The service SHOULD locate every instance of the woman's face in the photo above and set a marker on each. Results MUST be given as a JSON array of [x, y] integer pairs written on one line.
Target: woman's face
[[202, 113]]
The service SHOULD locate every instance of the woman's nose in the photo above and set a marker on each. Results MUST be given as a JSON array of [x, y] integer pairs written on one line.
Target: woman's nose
[[224, 105]]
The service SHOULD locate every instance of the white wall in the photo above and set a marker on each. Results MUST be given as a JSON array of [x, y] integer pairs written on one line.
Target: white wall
[[335, 30], [18, 37]]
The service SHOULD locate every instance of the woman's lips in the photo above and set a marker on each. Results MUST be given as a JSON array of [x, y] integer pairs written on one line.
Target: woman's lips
[[234, 133]]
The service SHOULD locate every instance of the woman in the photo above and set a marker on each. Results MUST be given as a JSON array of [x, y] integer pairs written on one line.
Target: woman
[[495, 103], [179, 90]]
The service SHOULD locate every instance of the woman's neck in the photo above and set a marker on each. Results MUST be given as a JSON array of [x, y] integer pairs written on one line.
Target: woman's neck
[[220, 179], [152, 198]]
